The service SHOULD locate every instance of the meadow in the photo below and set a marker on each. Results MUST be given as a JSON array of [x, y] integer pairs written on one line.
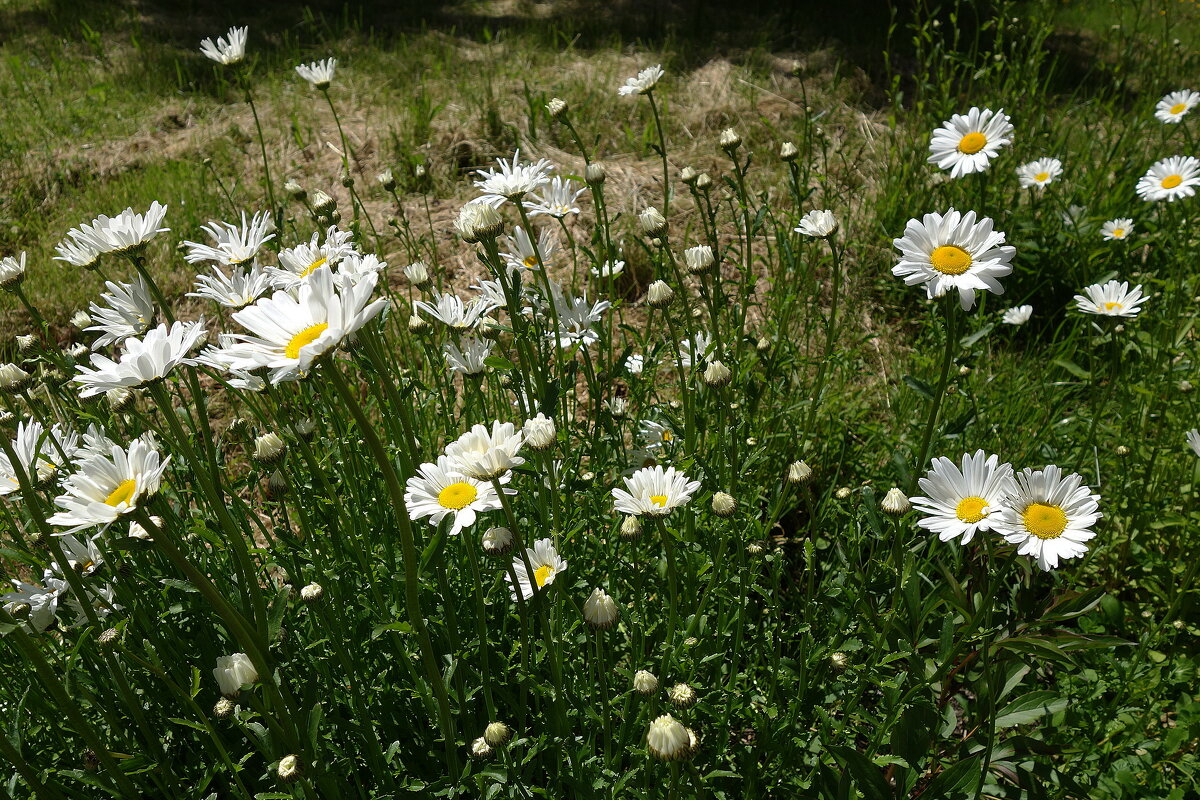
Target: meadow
[[513, 399]]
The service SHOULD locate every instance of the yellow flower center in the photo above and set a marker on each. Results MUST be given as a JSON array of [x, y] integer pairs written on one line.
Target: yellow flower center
[[313, 267], [543, 574], [1042, 177], [950, 260], [1044, 521], [304, 337], [1179, 108], [1118, 233], [970, 509], [972, 143], [1109, 306], [667, 436], [457, 495], [122, 493], [530, 262], [1171, 181], [659, 500]]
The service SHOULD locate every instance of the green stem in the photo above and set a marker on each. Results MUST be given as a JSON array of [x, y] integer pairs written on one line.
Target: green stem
[[951, 305]]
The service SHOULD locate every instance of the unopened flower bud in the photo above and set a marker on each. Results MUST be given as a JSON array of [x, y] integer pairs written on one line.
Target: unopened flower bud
[[12, 272], [839, 660], [269, 448], [895, 503], [798, 473], [289, 769], [224, 708], [644, 682], [730, 140], [295, 190], [1122, 450], [277, 485], [599, 610], [417, 274], [26, 343], [652, 223], [631, 528], [557, 108], [417, 324], [539, 432], [497, 734], [688, 175], [347, 180], [13, 379], [698, 259], [716, 374], [109, 637], [387, 180], [723, 504], [81, 320], [596, 173], [312, 593], [480, 749], [842, 493], [497, 541], [659, 295], [668, 739], [323, 203], [788, 151], [703, 182], [682, 695]]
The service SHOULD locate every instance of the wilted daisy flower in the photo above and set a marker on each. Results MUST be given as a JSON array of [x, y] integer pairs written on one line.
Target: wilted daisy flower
[[441, 490], [558, 198], [106, 486], [1017, 315], [643, 83], [818, 224], [609, 269], [576, 318], [1170, 179], [967, 144], [318, 73], [1037, 174], [654, 491], [512, 181], [237, 290], [227, 49], [12, 271], [233, 244], [483, 454], [1173, 107], [287, 334], [545, 563], [655, 434], [1111, 300], [299, 262], [233, 672], [128, 311], [450, 310], [467, 359], [959, 502], [80, 252], [953, 252], [42, 600], [127, 232], [696, 350], [520, 253], [1115, 229], [143, 360], [1048, 516]]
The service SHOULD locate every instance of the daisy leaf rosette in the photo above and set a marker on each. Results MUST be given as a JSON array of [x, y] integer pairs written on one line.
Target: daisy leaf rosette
[[953, 252], [546, 565], [440, 491], [959, 499], [104, 487], [1048, 516], [142, 361], [654, 491], [967, 143]]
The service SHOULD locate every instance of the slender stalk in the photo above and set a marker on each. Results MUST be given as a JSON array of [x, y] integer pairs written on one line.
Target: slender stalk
[[950, 304]]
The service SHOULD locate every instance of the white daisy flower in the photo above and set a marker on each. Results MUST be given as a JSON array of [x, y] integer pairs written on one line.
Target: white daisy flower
[[228, 49], [1038, 174], [1017, 315], [576, 318], [79, 252], [696, 350], [318, 73], [483, 454], [967, 144], [12, 271], [609, 269], [1170, 179], [450, 310], [1116, 229], [297, 263], [656, 434], [42, 600], [818, 224], [959, 501], [287, 334], [143, 360], [129, 310], [441, 490], [635, 364], [953, 252], [470, 357], [1173, 107], [643, 83], [106, 486], [127, 232], [237, 290], [41, 455], [83, 556], [355, 266], [233, 244], [1111, 300], [103, 602], [1193, 441], [520, 253], [545, 563], [654, 491], [512, 181], [557, 198], [1047, 516]]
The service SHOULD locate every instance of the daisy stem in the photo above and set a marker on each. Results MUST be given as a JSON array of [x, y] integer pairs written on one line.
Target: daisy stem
[[345, 147], [481, 627], [689, 433], [262, 145], [33, 312], [951, 306], [42, 791], [830, 336], [662, 151], [139, 263], [566, 120], [412, 577], [673, 589]]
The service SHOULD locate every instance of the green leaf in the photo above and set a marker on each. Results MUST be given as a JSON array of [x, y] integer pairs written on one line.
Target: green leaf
[[499, 363], [867, 777], [919, 386], [379, 630], [1073, 368], [952, 782], [1029, 708], [276, 611]]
